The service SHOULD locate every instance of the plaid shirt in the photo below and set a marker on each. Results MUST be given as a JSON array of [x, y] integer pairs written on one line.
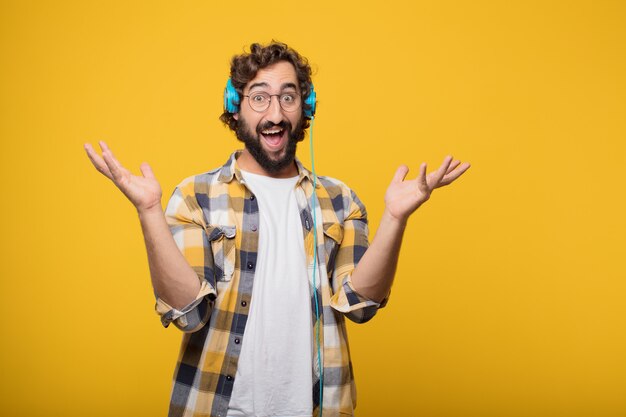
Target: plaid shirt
[[213, 218]]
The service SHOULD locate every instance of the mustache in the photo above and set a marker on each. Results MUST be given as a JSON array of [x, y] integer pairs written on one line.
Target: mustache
[[268, 125]]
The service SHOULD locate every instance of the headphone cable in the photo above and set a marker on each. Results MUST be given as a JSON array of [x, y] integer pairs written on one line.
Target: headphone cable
[[317, 312]]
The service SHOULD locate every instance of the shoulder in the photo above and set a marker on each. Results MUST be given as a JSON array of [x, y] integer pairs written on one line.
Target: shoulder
[[194, 192], [208, 182], [343, 198], [199, 182], [334, 186]]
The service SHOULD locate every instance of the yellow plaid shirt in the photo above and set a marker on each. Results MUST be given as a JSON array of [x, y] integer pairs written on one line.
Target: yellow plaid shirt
[[213, 218]]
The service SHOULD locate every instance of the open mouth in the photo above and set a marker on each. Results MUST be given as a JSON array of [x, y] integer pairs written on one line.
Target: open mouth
[[274, 136]]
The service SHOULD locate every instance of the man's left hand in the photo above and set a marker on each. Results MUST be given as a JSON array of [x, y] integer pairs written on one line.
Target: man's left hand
[[403, 197]]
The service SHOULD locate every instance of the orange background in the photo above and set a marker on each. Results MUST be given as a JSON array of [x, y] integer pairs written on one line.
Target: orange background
[[509, 299]]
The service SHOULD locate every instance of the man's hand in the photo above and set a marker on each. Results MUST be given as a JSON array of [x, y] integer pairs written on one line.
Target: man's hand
[[144, 192], [404, 197]]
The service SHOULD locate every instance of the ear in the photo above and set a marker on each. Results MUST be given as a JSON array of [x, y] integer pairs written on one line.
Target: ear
[[236, 116]]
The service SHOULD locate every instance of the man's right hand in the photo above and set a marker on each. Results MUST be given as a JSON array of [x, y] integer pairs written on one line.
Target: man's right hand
[[144, 192]]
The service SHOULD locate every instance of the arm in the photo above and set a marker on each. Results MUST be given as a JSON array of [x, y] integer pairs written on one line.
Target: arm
[[374, 274], [174, 281]]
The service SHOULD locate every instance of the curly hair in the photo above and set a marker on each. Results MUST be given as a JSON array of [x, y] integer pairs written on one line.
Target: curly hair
[[244, 67]]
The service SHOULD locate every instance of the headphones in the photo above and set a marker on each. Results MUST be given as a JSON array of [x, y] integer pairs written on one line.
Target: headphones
[[232, 100]]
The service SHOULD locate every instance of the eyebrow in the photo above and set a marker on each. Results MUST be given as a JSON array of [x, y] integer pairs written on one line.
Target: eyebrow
[[284, 86]]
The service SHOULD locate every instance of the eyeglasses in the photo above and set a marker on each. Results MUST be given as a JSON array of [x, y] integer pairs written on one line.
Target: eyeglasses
[[260, 101]]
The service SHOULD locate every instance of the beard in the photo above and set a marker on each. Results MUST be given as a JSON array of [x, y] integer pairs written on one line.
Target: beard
[[262, 157]]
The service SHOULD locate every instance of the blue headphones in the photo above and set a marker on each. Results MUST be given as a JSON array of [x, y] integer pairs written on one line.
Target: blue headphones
[[232, 100]]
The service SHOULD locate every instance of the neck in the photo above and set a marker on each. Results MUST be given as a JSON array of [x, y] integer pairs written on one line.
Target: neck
[[247, 162]]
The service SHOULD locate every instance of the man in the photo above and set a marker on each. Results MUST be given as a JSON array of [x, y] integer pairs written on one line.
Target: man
[[259, 261]]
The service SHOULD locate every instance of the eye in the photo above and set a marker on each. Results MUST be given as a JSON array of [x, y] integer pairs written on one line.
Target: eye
[[288, 98], [258, 98]]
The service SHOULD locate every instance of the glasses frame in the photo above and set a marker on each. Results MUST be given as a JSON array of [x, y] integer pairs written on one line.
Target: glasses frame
[[280, 103]]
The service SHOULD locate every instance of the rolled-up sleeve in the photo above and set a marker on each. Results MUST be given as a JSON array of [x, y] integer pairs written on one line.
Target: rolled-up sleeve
[[193, 316], [353, 245], [186, 222]]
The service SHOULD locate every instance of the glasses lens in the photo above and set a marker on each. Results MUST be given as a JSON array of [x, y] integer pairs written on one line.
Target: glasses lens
[[289, 101], [260, 101]]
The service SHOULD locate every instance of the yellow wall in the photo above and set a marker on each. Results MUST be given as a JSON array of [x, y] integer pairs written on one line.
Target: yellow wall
[[509, 299]]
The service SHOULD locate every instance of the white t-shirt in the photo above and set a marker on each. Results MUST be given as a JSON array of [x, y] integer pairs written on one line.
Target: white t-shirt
[[274, 374]]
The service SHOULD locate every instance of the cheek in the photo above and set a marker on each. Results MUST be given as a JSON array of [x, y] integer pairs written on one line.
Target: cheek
[[295, 120], [251, 121]]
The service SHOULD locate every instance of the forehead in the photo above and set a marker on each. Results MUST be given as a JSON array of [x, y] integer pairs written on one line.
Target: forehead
[[274, 77]]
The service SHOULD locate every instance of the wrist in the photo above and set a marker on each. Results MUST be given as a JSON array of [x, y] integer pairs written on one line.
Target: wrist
[[392, 220], [145, 212]]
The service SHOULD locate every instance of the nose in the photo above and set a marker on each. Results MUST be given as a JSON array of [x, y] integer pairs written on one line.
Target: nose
[[274, 112]]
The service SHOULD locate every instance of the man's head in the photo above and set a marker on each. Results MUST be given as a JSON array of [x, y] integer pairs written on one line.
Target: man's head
[[272, 82]]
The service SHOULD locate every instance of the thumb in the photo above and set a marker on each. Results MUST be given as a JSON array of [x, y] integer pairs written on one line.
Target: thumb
[[400, 174], [147, 171]]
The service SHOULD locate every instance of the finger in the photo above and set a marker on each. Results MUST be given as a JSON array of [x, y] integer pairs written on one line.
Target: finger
[[116, 168], [113, 165], [97, 161], [452, 166], [103, 145], [146, 170], [106, 149], [455, 174], [400, 174], [443, 168], [422, 177]]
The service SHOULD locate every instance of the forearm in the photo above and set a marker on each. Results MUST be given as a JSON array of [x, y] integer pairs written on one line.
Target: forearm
[[373, 276], [174, 281]]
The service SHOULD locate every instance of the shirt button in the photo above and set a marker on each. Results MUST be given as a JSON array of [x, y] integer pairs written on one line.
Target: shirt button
[[229, 378], [244, 303], [253, 227], [252, 197], [237, 341], [250, 265]]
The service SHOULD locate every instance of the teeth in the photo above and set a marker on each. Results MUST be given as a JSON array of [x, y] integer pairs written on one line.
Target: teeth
[[271, 132]]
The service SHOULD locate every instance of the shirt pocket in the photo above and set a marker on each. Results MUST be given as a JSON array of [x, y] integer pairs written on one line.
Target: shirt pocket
[[333, 236], [222, 240]]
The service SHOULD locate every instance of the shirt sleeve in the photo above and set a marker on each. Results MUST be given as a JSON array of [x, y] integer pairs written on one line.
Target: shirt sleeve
[[354, 243], [186, 222]]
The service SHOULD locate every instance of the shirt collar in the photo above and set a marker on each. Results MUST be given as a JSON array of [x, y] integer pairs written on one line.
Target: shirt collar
[[231, 170]]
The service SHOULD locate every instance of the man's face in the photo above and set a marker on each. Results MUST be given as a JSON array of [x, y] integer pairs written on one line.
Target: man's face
[[271, 136]]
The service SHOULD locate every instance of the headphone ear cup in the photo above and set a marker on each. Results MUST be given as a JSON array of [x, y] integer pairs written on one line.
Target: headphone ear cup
[[310, 101], [231, 98]]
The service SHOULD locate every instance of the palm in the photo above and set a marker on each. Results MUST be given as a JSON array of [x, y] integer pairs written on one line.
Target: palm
[[403, 197], [143, 191]]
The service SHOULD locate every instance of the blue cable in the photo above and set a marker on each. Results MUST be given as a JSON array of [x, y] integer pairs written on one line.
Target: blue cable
[[317, 313]]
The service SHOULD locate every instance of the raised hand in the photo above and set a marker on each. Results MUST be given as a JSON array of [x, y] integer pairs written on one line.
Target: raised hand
[[144, 192], [403, 197]]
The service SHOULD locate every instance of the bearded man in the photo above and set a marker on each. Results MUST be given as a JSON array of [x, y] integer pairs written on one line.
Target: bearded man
[[260, 261]]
